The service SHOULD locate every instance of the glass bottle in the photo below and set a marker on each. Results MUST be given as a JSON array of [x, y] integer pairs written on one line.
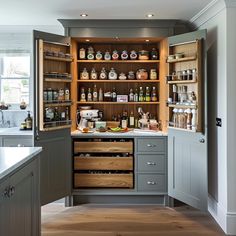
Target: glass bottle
[[95, 93], [154, 94], [147, 95], [28, 121], [136, 95], [194, 119], [56, 114], [175, 94], [114, 95], [67, 115], [131, 119], [89, 96], [189, 119], [141, 97], [124, 120], [82, 95], [175, 117], [82, 54], [100, 96], [131, 95]]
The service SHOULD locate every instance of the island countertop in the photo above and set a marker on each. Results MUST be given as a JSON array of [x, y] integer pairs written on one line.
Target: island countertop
[[129, 134], [12, 158]]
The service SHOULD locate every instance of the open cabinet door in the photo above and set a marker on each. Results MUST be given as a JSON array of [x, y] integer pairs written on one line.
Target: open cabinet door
[[187, 141], [52, 72]]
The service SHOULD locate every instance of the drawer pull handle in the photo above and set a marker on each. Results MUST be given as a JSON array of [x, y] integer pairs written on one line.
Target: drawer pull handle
[[151, 163], [151, 145], [6, 192], [151, 183]]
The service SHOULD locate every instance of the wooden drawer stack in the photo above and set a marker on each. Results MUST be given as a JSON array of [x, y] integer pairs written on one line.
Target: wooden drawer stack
[[100, 168], [151, 165]]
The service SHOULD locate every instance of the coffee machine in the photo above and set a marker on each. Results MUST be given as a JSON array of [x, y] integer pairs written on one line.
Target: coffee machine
[[85, 117]]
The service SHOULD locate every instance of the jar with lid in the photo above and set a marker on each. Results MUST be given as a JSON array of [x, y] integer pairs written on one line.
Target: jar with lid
[[84, 75], [131, 75], [194, 119], [67, 94], [194, 74], [181, 119], [93, 74], [82, 54], [142, 74], [82, 95], [45, 95], [50, 95], [112, 74], [184, 75], [124, 55], [154, 54], [55, 94], [103, 74], [115, 55], [98, 55], [175, 118], [122, 76], [143, 55], [153, 74], [189, 75], [49, 114], [189, 119], [90, 54], [107, 56], [61, 94], [133, 55]]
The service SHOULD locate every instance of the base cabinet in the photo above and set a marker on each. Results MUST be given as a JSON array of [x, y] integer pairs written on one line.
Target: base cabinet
[[19, 202]]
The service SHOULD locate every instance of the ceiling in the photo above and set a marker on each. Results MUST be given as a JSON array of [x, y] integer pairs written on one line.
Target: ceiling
[[46, 12]]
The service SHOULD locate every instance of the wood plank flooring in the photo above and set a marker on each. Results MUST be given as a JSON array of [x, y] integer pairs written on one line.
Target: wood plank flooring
[[126, 220]]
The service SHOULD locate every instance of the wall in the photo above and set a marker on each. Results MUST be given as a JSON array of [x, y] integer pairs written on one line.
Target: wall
[[218, 18]]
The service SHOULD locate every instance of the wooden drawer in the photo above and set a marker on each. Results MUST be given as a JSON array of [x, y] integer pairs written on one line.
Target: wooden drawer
[[103, 147], [103, 163], [151, 163], [103, 180], [152, 182], [151, 145]]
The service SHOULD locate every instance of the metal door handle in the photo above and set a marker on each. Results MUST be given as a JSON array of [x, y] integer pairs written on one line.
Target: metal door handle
[[151, 183], [12, 190], [151, 145], [151, 163], [202, 140], [6, 192]]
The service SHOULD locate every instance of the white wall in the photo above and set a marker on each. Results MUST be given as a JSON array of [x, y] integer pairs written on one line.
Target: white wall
[[219, 20]]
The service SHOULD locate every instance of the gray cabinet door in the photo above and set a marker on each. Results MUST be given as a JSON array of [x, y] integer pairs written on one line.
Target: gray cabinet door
[[24, 201], [187, 151], [4, 208], [56, 155]]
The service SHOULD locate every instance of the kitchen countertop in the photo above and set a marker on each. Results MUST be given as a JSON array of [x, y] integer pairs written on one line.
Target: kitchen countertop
[[133, 133], [12, 158], [15, 131]]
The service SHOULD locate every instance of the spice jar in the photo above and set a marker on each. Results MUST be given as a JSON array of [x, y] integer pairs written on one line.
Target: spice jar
[[122, 76], [143, 55], [131, 75], [112, 74], [82, 54], [90, 55], [124, 55], [133, 55], [61, 94], [115, 55], [84, 75], [93, 74], [142, 74], [98, 55], [153, 74], [50, 95], [103, 74], [107, 56]]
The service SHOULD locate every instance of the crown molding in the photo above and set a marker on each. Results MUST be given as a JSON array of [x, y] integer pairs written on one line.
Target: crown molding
[[208, 12]]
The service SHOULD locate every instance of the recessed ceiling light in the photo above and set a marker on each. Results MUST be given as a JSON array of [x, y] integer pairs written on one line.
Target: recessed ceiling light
[[150, 15], [147, 40], [84, 15], [87, 40]]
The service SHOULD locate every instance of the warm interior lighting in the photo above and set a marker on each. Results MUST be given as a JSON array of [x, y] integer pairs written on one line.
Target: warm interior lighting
[[150, 15], [84, 15]]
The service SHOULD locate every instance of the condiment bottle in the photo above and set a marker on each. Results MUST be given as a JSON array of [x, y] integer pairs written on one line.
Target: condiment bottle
[[136, 95], [147, 95], [89, 96], [95, 93], [114, 95], [131, 119], [154, 94], [82, 95], [100, 96], [124, 120], [28, 121], [140, 97], [131, 95]]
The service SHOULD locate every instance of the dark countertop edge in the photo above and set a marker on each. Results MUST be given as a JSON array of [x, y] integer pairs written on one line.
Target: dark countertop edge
[[6, 173]]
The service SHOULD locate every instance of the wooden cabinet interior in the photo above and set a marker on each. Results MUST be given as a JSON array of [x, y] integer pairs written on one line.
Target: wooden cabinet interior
[[122, 87], [54, 73], [191, 60]]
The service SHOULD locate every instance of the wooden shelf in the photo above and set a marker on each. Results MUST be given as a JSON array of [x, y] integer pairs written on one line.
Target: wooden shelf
[[58, 80], [193, 58], [179, 106], [59, 104], [119, 103], [187, 130], [118, 81], [57, 127], [182, 82], [118, 61], [58, 59]]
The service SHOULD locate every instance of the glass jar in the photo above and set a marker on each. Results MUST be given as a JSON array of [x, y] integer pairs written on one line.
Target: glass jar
[[82, 54], [181, 119], [133, 55], [154, 54], [153, 74], [143, 55], [141, 74], [112, 74], [194, 74], [115, 55], [49, 95], [122, 76], [84, 75], [98, 55], [107, 56], [61, 94], [124, 55], [93, 74], [131, 75], [103, 74], [90, 54]]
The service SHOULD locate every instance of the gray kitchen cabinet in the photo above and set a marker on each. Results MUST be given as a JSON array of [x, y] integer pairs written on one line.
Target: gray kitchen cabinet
[[20, 141], [19, 202]]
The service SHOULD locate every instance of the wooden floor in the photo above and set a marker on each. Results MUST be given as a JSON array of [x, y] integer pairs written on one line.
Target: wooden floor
[[126, 220]]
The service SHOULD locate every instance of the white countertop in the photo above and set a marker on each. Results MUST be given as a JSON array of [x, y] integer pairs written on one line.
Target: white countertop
[[13, 157], [15, 131], [134, 133]]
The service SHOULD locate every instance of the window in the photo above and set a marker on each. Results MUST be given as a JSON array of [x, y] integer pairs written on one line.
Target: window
[[14, 76]]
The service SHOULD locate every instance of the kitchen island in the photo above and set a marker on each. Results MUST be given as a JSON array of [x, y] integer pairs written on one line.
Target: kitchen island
[[110, 167], [19, 191]]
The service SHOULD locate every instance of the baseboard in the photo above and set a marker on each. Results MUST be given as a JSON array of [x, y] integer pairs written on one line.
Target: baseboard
[[231, 223]]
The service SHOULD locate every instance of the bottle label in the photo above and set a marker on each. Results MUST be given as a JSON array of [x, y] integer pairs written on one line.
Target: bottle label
[[131, 121], [123, 124]]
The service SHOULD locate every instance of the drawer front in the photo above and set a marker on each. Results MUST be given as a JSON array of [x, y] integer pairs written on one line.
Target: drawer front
[[152, 183], [17, 142], [151, 145], [103, 180], [151, 163], [103, 163], [101, 147]]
